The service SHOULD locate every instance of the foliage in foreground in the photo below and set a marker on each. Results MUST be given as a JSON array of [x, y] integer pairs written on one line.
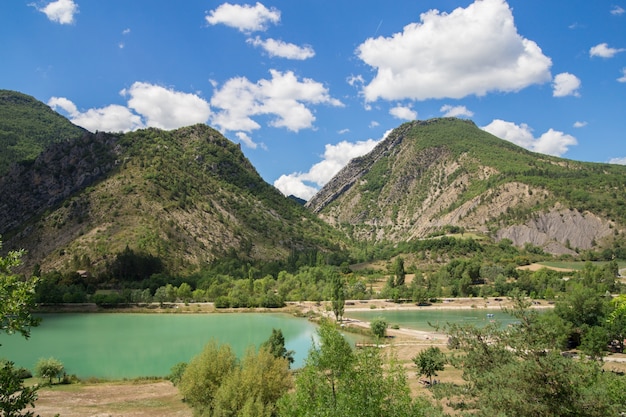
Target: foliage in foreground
[[337, 381], [520, 372], [16, 302], [216, 384]]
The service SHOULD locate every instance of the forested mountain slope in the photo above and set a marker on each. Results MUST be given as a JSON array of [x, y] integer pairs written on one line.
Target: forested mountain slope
[[430, 176], [27, 126], [186, 197]]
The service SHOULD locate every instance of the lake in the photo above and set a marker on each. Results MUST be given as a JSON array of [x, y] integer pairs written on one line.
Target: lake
[[127, 345], [420, 319]]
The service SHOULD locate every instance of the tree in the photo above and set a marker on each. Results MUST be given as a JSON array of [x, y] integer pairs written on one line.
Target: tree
[[176, 373], [204, 375], [519, 371], [14, 396], [254, 387], [430, 361], [49, 368], [16, 302], [337, 381], [184, 292], [215, 384], [399, 272], [16, 297], [276, 346], [338, 295], [379, 327]]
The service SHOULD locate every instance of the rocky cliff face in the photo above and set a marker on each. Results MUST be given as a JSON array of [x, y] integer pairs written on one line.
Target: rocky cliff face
[[29, 189]]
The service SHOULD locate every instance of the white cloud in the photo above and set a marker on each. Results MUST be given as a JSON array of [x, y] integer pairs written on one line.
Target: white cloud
[[551, 142], [344, 131], [165, 108], [455, 111], [622, 79], [305, 185], [604, 51], [579, 124], [565, 84], [126, 31], [112, 118], [373, 124], [245, 18], [403, 112], [283, 96], [468, 51], [617, 11], [618, 161], [278, 48], [60, 11], [354, 80]]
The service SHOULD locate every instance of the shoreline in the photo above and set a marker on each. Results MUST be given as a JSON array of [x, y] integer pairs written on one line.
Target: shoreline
[[290, 306]]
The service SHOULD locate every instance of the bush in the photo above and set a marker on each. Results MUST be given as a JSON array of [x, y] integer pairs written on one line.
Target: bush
[[379, 327], [49, 368]]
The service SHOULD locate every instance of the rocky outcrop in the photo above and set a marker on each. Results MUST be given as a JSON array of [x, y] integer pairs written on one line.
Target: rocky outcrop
[[355, 170], [62, 169], [559, 230]]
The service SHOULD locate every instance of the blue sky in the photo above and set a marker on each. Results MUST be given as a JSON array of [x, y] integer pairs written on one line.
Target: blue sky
[[306, 85]]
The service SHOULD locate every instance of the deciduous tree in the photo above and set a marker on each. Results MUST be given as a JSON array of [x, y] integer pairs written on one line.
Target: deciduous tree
[[429, 362], [49, 369], [16, 302]]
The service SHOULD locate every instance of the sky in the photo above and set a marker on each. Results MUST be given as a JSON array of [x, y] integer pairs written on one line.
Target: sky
[[304, 86]]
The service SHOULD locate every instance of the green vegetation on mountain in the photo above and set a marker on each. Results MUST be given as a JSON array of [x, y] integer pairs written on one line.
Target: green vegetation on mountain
[[430, 175], [125, 207], [27, 126]]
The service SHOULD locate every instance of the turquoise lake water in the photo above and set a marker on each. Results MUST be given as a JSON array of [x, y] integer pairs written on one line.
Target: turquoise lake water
[[132, 345]]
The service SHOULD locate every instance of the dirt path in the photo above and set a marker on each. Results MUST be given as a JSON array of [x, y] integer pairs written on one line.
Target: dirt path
[[112, 399]]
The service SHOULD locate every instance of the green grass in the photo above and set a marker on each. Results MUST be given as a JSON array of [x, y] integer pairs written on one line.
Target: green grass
[[576, 265]]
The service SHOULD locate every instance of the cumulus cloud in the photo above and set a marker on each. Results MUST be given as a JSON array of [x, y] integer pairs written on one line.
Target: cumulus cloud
[[622, 79], [604, 51], [455, 111], [112, 118], [403, 112], [165, 108], [148, 105], [283, 96], [60, 11], [305, 185], [551, 142], [618, 161], [579, 124], [245, 18], [278, 48], [470, 51], [617, 11], [565, 84]]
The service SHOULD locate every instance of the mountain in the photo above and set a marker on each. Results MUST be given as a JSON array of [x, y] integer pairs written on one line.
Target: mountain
[[431, 176], [187, 197], [27, 126]]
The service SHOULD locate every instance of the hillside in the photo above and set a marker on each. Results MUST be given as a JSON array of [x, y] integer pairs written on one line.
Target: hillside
[[186, 197], [27, 126], [427, 176]]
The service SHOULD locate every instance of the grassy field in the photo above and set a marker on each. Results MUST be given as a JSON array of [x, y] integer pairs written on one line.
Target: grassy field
[[576, 265]]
